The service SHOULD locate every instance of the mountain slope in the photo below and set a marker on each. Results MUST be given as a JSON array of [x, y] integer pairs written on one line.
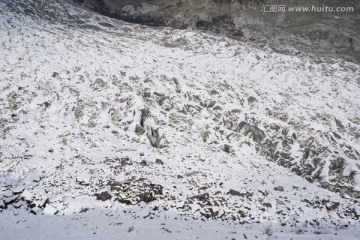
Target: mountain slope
[[325, 33], [97, 113]]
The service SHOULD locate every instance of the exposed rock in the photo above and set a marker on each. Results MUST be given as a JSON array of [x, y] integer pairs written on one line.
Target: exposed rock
[[227, 148], [98, 84], [144, 114], [103, 196], [251, 100], [10, 200], [234, 192], [201, 197], [156, 140], [332, 206], [134, 191], [237, 193], [147, 197], [251, 20], [159, 161], [265, 193], [268, 205], [341, 189], [124, 201], [125, 161], [257, 134], [45, 203], [139, 130]]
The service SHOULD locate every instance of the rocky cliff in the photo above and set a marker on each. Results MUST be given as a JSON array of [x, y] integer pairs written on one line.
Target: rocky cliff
[[325, 33]]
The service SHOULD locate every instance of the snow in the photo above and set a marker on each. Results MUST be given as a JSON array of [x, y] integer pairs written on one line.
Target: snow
[[71, 98], [105, 224]]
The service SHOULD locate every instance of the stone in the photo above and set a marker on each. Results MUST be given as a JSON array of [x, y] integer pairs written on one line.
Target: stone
[[237, 193], [155, 138], [332, 206], [103, 196], [268, 205], [44, 203], [144, 114], [258, 135], [124, 201], [201, 197], [10, 200], [227, 148], [125, 161], [159, 161], [139, 130], [147, 197], [279, 188], [143, 163]]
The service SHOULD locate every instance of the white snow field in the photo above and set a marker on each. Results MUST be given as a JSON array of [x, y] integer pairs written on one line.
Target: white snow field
[[111, 130]]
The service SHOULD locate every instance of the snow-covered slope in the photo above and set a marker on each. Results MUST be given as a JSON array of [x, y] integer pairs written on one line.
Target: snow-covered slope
[[97, 113]]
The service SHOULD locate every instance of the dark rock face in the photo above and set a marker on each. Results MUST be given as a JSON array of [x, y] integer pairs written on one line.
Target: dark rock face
[[333, 34], [103, 196], [134, 191], [257, 134], [279, 188]]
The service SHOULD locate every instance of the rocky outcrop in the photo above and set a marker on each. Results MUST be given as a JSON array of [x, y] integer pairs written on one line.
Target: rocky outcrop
[[323, 33]]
